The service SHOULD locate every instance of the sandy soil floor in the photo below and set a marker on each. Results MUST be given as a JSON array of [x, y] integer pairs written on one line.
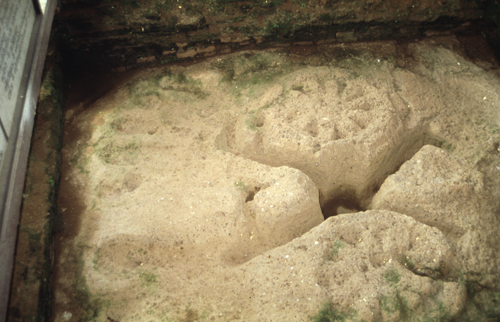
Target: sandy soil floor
[[200, 193]]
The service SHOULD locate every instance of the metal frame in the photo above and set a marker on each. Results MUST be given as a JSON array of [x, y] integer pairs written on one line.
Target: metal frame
[[13, 171]]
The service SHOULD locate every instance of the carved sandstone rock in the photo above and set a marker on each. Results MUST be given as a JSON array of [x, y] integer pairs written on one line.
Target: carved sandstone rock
[[442, 190]]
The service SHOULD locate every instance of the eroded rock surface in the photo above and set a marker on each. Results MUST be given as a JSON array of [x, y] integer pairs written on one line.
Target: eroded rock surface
[[344, 131], [442, 190], [376, 265], [196, 192]]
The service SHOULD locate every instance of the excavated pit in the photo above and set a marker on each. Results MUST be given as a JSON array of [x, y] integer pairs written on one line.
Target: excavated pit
[[259, 185]]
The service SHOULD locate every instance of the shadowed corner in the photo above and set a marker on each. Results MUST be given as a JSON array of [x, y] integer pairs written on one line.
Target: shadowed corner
[[343, 203]]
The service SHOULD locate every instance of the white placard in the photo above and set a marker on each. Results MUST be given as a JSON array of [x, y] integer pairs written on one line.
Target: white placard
[[16, 23]]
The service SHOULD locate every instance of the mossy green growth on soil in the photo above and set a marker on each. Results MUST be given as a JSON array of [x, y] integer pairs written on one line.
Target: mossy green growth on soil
[[482, 305], [334, 251], [252, 71], [163, 83], [92, 305], [328, 313], [392, 276]]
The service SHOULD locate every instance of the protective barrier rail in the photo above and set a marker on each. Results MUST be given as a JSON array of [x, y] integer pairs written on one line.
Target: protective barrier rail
[[25, 27]]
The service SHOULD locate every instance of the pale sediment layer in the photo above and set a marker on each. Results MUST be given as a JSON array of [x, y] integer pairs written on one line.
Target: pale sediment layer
[[200, 192]]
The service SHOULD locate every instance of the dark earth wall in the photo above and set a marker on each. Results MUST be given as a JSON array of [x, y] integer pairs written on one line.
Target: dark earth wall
[[30, 295], [102, 35]]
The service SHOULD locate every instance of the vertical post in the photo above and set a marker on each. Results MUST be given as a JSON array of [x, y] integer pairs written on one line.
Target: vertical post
[[24, 34]]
